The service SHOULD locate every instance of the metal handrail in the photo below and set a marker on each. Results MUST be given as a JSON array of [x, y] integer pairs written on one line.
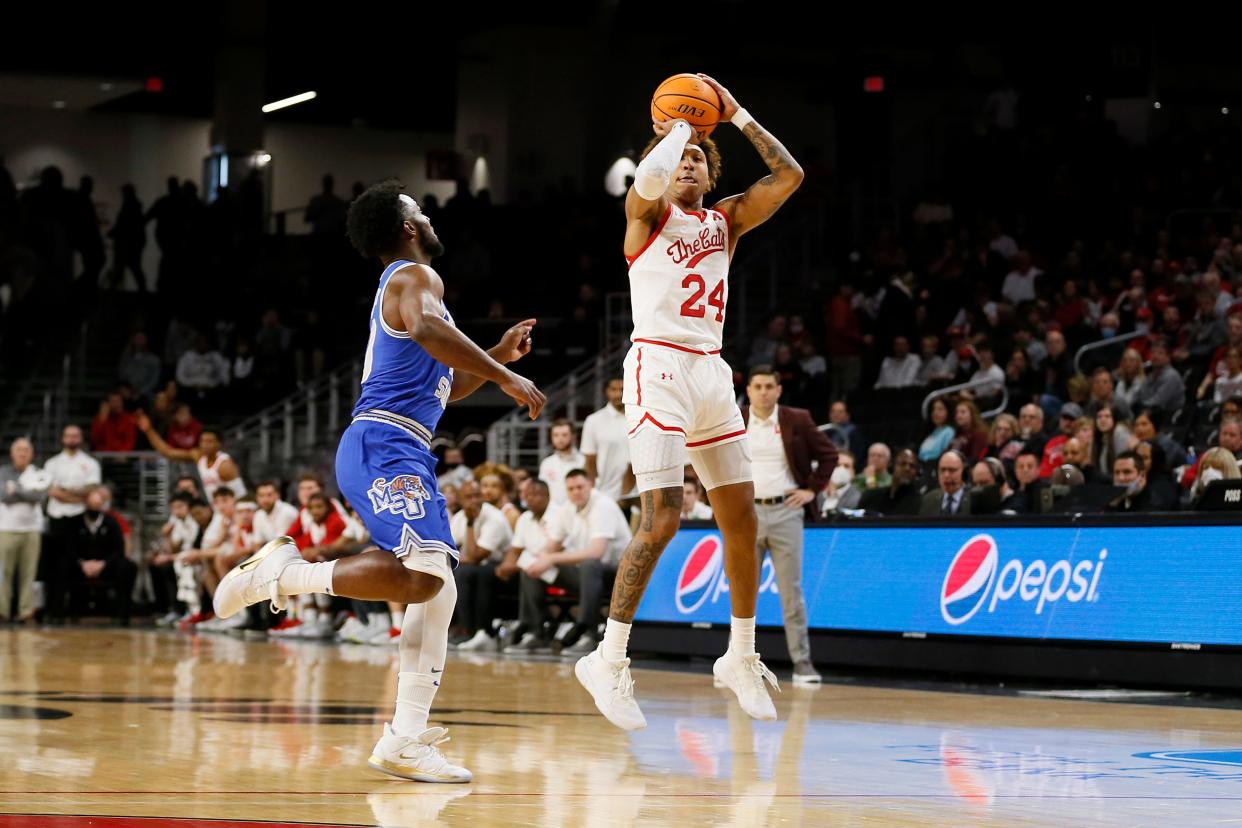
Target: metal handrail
[[308, 392], [1103, 343], [968, 386]]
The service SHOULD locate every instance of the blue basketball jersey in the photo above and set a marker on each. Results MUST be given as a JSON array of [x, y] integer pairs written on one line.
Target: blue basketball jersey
[[398, 376]]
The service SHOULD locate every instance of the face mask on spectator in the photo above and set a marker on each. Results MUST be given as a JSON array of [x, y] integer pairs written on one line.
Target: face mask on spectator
[[1107, 333], [840, 477]]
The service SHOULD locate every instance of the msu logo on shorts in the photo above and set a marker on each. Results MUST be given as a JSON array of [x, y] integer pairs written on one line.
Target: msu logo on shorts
[[403, 496]]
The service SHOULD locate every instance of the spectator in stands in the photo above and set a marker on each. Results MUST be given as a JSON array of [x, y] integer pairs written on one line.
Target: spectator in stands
[[496, 488], [789, 371], [95, 553], [843, 433], [932, 366], [990, 492], [184, 431], [23, 488], [1112, 437], [113, 427], [988, 371], [1215, 464], [692, 505], [940, 431], [129, 237], [1026, 472], [1077, 453], [1233, 339], [970, 434], [1128, 471], [903, 496], [1031, 428], [901, 370], [189, 484], [763, 347], [1228, 381], [1205, 333], [1147, 429], [1130, 378], [951, 498], [272, 342], [202, 371], [1003, 442], [530, 540], [840, 484], [605, 446], [1020, 380], [456, 471], [1162, 488], [846, 344], [482, 536], [1058, 368], [1103, 393], [1163, 389], [1230, 437], [1019, 285], [274, 516], [585, 540], [875, 475], [1054, 448], [565, 458], [325, 212], [140, 368]]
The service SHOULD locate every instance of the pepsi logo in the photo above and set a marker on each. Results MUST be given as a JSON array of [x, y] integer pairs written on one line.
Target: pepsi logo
[[699, 574], [968, 580]]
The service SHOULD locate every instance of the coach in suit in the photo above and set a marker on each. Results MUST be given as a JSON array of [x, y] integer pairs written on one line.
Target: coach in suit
[[783, 444], [951, 498]]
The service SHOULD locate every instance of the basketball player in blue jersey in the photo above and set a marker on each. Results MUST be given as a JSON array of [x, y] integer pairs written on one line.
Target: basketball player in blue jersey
[[416, 363]]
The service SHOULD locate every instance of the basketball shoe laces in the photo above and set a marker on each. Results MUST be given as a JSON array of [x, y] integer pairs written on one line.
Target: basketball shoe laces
[[624, 686], [427, 749], [759, 671]]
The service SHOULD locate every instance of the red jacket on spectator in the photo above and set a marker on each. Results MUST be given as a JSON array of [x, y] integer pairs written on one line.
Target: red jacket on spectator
[[306, 533], [184, 436], [844, 334], [1054, 456], [116, 432]]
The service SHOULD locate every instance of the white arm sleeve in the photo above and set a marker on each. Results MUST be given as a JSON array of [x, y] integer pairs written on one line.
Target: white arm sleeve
[[655, 172]]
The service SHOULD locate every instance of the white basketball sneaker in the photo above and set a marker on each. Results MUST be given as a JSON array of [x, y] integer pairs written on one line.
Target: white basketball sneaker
[[416, 757], [745, 675], [609, 683], [255, 579]]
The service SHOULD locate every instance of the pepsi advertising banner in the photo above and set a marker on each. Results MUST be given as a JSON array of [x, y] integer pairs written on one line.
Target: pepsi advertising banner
[[1143, 584]]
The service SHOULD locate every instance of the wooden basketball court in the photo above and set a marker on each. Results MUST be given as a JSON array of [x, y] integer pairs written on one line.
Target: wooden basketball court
[[136, 728]]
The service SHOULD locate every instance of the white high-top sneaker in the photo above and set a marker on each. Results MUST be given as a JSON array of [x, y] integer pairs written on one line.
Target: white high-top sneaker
[[745, 675], [256, 578], [611, 687], [416, 757], [480, 643]]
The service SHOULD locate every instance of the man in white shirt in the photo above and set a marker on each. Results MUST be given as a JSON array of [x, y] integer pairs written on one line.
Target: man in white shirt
[[23, 486], [530, 540], [564, 459], [692, 505], [901, 370], [988, 372], [71, 475], [606, 446], [275, 516], [1019, 285], [586, 538], [482, 535]]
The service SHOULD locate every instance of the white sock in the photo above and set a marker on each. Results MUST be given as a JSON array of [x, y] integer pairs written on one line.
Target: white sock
[[616, 640], [742, 635], [415, 693], [310, 614], [303, 578], [397, 619]]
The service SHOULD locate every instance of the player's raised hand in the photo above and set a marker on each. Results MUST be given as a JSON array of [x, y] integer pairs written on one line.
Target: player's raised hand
[[662, 128], [516, 342], [728, 104], [524, 392]]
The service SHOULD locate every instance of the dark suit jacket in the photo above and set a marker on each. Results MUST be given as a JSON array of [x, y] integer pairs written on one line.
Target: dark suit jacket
[[803, 442], [931, 503], [906, 500]]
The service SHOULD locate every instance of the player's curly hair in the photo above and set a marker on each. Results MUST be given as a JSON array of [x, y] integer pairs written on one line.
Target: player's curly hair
[[709, 149], [375, 218]]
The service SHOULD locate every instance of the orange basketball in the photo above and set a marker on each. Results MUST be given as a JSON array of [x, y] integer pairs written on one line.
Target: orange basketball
[[690, 98]]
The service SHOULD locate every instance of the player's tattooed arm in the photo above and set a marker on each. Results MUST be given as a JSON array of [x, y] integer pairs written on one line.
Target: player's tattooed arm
[[755, 206]]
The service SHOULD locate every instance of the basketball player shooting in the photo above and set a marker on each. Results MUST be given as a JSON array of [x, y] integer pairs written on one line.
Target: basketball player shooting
[[679, 398], [416, 363]]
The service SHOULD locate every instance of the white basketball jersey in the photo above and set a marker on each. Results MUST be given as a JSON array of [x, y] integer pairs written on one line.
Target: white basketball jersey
[[210, 475], [679, 281]]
